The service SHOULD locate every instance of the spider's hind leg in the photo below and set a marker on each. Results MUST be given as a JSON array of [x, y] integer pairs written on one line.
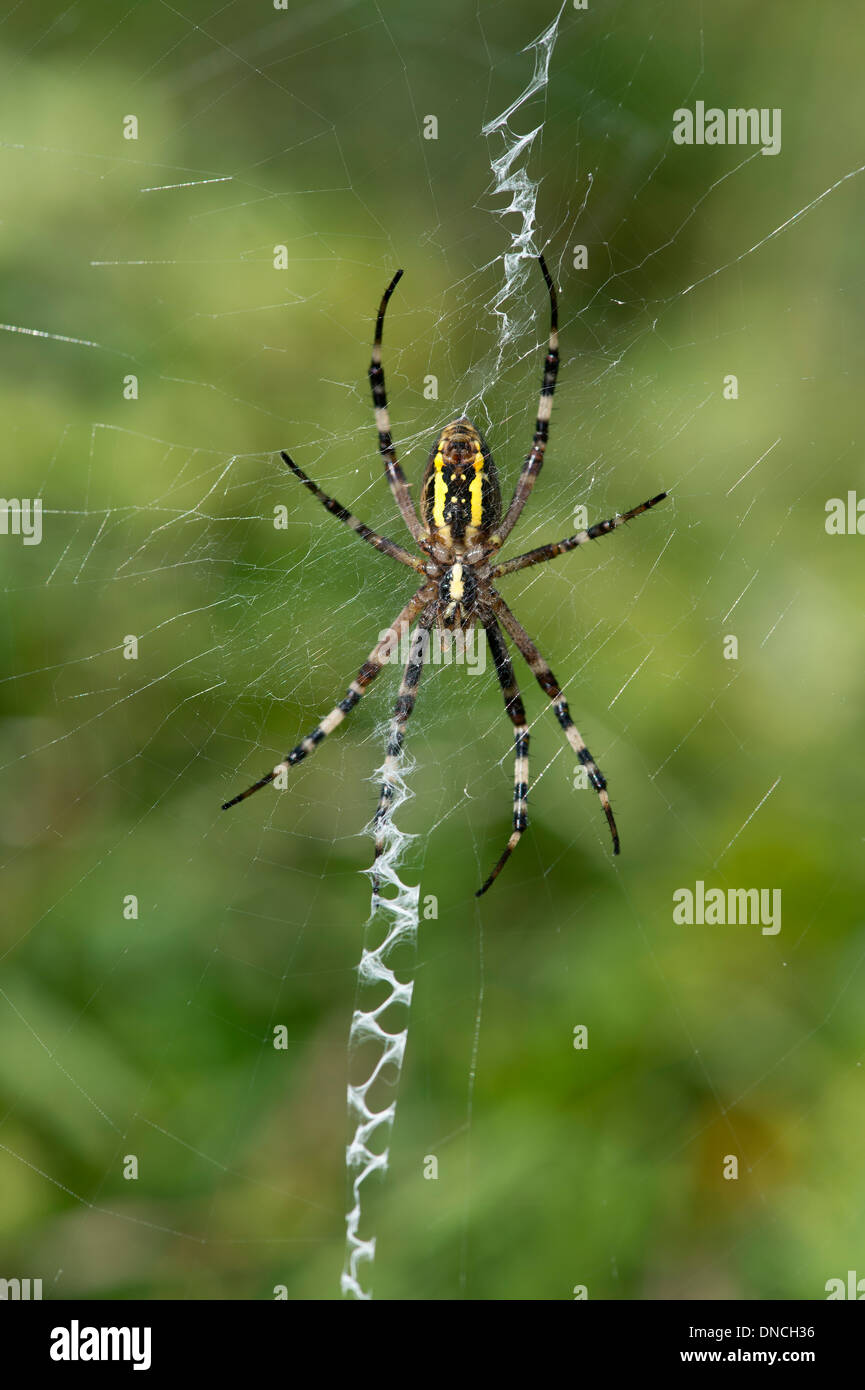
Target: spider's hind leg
[[393, 469], [592, 533], [535, 458], [366, 533]]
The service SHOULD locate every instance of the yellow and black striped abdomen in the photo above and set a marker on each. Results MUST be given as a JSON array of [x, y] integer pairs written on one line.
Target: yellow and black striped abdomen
[[460, 498]]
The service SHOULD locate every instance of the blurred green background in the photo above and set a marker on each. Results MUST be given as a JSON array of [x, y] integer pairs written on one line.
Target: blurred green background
[[152, 1036]]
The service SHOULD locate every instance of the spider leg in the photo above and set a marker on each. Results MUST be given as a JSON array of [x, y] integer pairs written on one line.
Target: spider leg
[[516, 711], [549, 552], [535, 458], [550, 686], [402, 710], [393, 471], [359, 686], [387, 547]]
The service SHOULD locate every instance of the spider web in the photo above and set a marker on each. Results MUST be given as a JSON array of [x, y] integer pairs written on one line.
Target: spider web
[[154, 1141]]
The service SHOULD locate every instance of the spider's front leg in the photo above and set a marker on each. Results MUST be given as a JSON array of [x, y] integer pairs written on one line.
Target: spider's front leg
[[516, 711], [551, 688], [359, 686], [402, 711]]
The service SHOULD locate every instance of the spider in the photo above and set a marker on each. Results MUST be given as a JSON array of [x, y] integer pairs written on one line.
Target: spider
[[460, 532]]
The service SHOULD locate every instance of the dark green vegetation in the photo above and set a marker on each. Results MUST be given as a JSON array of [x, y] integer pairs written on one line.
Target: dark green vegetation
[[153, 1036]]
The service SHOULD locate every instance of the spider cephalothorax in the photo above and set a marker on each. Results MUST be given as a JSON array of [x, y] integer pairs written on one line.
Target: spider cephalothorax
[[458, 596], [459, 532]]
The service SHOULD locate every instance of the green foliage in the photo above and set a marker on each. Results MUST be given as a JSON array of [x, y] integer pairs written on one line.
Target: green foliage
[[154, 1036]]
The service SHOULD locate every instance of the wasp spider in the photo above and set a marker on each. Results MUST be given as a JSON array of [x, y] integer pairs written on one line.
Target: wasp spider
[[460, 532]]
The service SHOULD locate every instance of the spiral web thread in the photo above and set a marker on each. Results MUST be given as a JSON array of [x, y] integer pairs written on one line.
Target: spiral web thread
[[511, 176], [400, 909]]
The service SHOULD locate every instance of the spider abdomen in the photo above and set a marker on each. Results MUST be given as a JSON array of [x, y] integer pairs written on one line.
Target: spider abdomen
[[460, 498]]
